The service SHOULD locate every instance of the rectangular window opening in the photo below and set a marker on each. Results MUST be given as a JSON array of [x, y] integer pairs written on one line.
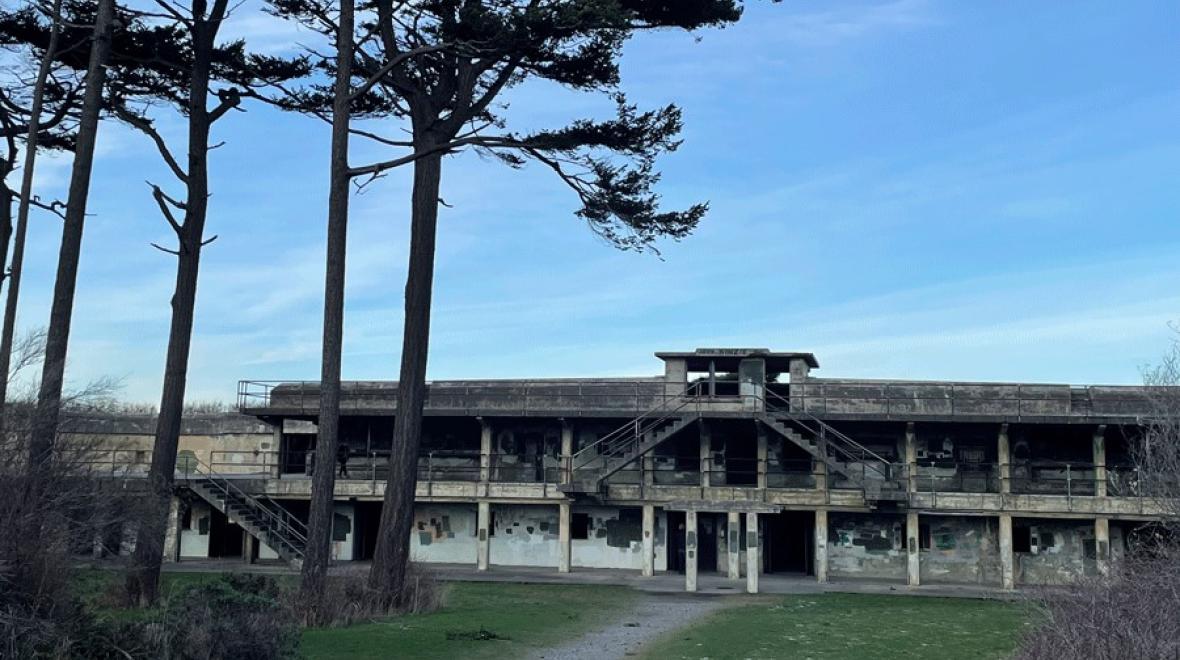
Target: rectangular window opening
[[580, 526], [1021, 539]]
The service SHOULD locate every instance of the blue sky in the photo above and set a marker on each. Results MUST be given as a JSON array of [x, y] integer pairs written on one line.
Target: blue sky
[[909, 189]]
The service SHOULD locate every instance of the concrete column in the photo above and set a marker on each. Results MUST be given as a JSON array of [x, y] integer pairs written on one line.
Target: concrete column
[[733, 534], [706, 453], [1100, 461], [565, 460], [483, 534], [649, 540], [753, 564], [248, 545], [821, 476], [913, 552], [649, 469], [1004, 457], [563, 538], [1007, 560], [821, 545], [172, 533], [276, 468], [1102, 544], [763, 454], [485, 450], [911, 458], [690, 550]]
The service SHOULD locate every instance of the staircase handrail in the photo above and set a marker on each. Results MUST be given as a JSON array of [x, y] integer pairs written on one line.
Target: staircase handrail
[[227, 486], [802, 417], [636, 427]]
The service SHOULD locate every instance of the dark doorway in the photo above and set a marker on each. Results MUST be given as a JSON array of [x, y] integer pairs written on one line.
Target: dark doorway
[[225, 538], [787, 540], [675, 541], [368, 519], [707, 530]]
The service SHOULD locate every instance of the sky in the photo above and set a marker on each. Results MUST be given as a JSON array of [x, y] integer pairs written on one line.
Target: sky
[[909, 189]]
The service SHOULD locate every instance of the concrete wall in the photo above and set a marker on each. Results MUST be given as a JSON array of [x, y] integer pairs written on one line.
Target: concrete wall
[[615, 540], [1059, 551], [524, 535], [962, 550], [444, 533], [866, 545], [194, 536]]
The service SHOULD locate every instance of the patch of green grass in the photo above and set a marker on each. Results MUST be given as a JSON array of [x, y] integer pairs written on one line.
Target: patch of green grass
[[99, 590], [523, 616], [850, 626]]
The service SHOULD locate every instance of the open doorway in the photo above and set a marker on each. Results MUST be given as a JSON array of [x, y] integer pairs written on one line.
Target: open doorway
[[225, 537], [675, 541], [787, 540]]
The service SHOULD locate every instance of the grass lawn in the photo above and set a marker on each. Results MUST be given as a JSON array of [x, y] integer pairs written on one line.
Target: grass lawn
[[850, 626], [524, 617], [529, 616]]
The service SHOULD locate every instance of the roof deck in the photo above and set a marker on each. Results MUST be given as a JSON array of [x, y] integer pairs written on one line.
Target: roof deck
[[865, 399]]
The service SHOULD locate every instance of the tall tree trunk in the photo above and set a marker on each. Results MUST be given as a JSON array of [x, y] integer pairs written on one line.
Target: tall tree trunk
[[387, 575], [319, 530], [144, 577], [22, 213], [57, 338], [5, 224]]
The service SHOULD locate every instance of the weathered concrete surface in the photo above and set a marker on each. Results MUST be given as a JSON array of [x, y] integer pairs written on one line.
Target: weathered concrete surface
[[623, 635]]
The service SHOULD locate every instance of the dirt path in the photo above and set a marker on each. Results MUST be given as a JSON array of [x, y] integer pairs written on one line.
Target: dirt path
[[623, 635]]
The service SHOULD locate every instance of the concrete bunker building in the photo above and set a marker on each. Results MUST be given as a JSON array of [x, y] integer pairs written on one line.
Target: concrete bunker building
[[735, 461]]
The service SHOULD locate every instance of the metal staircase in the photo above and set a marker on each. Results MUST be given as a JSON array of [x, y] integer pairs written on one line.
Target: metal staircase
[[874, 474], [592, 465], [259, 516]]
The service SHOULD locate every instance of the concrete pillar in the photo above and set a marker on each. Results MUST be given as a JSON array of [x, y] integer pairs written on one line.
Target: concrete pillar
[[649, 540], [172, 532], [563, 537], [763, 454], [706, 453], [690, 550], [911, 458], [483, 534], [1007, 560], [913, 552], [567, 452], [649, 470], [821, 545], [821, 476], [799, 370], [1004, 457], [1100, 461], [675, 376], [721, 559], [753, 564], [1102, 544], [276, 467], [733, 534], [248, 545], [485, 450]]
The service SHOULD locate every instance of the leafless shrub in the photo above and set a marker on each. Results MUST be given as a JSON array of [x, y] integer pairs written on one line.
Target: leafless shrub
[[347, 600], [1134, 610], [51, 509], [1157, 453], [1134, 613]]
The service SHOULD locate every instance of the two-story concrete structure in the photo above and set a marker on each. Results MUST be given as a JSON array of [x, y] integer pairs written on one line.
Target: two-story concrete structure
[[734, 461]]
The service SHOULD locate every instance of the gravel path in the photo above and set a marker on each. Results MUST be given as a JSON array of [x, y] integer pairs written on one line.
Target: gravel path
[[623, 635]]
